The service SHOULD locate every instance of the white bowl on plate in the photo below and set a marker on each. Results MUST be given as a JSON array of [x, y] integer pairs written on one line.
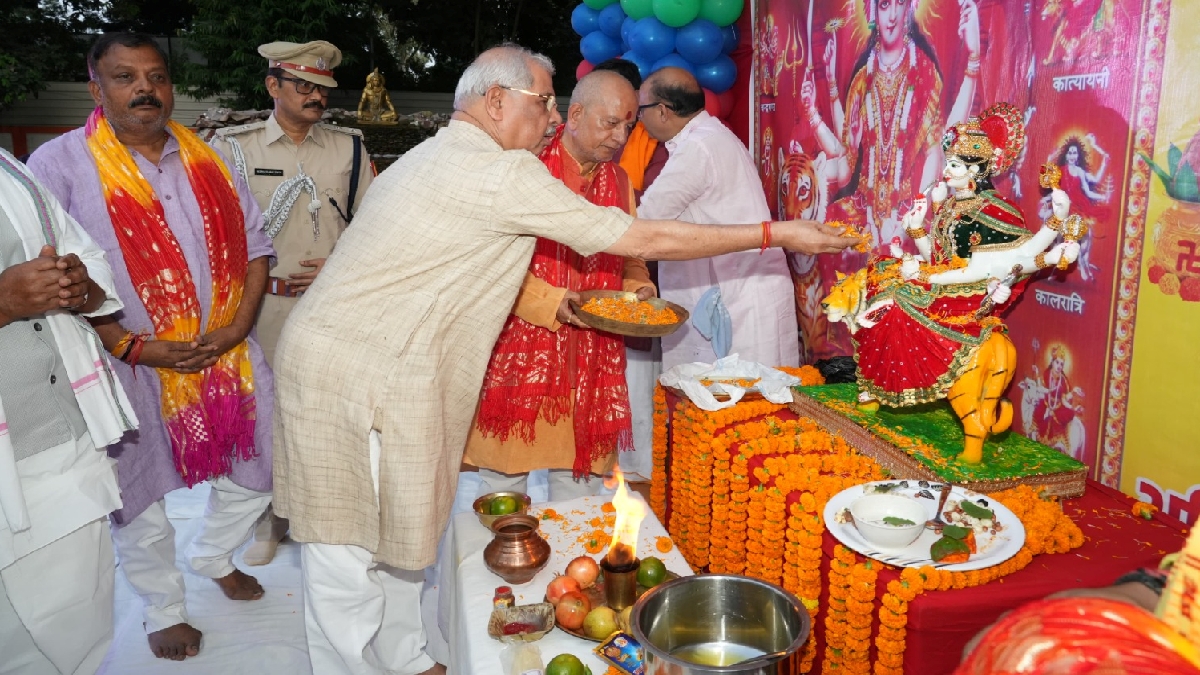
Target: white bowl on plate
[[869, 511]]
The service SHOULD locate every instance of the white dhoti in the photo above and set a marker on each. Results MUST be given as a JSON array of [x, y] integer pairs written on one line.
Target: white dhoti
[[56, 606], [56, 578], [146, 548], [362, 618], [642, 369]]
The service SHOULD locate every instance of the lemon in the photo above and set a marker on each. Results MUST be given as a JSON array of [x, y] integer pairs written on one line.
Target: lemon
[[651, 572], [501, 506]]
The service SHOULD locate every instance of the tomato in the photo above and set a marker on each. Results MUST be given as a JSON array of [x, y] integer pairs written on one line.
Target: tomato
[[573, 608], [561, 584]]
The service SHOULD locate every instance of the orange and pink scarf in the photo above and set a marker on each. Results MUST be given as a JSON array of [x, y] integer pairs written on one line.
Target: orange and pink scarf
[[209, 415]]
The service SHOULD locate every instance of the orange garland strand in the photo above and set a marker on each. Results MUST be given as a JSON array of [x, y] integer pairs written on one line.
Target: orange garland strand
[[774, 530]]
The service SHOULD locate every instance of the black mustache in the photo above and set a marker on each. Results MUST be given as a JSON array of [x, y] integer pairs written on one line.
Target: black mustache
[[148, 99], [315, 104]]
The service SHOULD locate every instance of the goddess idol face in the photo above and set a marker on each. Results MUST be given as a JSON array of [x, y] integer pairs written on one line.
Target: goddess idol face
[[957, 173]]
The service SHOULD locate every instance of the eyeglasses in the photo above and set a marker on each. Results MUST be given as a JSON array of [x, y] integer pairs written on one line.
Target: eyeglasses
[[550, 99], [642, 108], [304, 87]]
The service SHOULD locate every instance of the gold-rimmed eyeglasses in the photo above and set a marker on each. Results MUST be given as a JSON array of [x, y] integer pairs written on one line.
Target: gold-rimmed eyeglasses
[[550, 99]]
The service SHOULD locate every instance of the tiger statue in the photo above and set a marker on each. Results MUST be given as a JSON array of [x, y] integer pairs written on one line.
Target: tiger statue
[[977, 396]]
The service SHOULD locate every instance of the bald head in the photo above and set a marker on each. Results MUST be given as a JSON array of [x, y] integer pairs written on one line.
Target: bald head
[[678, 89], [603, 111], [600, 85], [668, 100]]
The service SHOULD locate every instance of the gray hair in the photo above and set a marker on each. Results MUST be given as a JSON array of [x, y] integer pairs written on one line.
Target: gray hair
[[506, 65]]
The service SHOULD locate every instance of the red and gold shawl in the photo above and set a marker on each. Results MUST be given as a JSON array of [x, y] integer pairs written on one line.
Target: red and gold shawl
[[209, 415], [530, 373]]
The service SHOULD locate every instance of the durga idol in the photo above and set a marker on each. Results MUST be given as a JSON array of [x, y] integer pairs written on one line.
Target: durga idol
[[925, 326]]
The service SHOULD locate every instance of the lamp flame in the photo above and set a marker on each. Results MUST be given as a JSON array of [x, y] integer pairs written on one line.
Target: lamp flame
[[630, 511]]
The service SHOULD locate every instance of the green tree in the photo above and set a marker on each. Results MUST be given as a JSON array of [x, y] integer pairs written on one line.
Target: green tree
[[453, 32], [42, 44], [225, 34]]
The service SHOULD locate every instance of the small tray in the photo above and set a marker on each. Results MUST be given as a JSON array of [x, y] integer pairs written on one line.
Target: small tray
[[541, 614], [595, 596], [631, 329]]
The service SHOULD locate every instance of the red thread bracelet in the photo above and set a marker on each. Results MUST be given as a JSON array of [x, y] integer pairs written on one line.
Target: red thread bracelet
[[766, 239]]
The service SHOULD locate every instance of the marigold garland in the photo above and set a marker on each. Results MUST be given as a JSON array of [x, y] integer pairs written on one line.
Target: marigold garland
[[748, 491]]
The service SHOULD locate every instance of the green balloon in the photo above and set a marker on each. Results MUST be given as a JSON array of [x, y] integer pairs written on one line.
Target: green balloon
[[598, 4], [676, 13], [721, 12], [638, 9]]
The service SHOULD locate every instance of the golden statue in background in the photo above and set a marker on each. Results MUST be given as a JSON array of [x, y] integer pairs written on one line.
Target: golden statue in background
[[375, 107]]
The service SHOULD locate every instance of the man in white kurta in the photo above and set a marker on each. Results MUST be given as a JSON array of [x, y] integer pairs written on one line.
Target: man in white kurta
[[60, 405], [379, 366], [710, 178]]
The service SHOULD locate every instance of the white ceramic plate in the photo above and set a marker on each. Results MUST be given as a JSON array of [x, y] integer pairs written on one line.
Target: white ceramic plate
[[991, 549]]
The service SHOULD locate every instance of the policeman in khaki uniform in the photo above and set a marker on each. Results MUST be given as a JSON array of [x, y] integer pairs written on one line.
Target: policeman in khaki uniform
[[307, 177], [301, 171]]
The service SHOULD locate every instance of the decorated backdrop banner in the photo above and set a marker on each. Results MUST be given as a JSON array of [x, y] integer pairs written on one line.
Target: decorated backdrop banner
[[852, 98]]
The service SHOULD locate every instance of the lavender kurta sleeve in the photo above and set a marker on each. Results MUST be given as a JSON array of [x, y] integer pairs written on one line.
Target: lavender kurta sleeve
[[145, 464]]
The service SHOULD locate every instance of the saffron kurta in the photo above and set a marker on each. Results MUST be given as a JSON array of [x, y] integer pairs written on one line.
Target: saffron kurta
[[145, 464], [396, 332], [553, 445], [710, 178]]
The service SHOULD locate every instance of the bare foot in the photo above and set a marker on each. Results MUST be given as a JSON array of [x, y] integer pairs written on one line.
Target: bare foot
[[176, 643], [238, 585], [437, 669]]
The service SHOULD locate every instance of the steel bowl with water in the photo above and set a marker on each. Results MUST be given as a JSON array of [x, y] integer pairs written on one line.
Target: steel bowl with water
[[718, 623]]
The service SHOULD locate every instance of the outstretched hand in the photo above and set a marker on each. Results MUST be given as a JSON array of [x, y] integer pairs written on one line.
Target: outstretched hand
[[810, 237]]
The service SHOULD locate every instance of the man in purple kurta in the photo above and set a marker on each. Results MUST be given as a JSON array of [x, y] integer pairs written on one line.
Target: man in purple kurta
[[131, 84]]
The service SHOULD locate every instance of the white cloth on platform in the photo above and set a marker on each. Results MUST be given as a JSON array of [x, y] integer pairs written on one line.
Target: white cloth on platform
[[711, 178], [146, 549], [368, 612]]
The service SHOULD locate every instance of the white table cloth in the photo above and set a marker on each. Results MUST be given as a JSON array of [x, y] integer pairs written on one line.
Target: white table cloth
[[467, 586]]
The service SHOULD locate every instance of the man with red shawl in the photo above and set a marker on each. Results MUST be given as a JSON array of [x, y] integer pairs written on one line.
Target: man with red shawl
[[555, 396]]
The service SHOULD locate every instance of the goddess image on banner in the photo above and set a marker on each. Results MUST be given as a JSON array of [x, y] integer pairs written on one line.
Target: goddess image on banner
[[852, 97]]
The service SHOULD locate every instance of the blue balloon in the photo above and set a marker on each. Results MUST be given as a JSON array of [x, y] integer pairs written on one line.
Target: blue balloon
[[652, 39], [626, 29], [700, 41], [718, 75], [597, 47], [673, 60], [585, 20], [611, 19], [730, 34], [644, 67]]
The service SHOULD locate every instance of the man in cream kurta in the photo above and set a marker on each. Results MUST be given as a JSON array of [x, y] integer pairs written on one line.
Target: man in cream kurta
[[380, 365], [710, 178]]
